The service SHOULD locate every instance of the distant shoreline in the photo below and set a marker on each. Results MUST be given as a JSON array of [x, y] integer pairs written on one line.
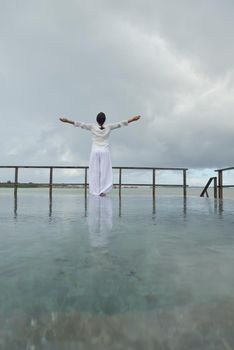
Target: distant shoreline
[[74, 185]]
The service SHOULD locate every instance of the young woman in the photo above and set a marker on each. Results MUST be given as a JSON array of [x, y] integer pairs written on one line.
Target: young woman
[[100, 168]]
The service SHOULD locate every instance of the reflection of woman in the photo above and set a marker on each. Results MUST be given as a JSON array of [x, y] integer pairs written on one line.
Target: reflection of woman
[[100, 168], [99, 220]]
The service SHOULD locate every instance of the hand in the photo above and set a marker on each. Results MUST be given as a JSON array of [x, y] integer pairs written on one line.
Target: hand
[[137, 117], [133, 119], [64, 120]]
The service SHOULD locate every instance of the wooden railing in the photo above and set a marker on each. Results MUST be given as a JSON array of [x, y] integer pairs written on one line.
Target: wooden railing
[[205, 190], [120, 184], [220, 181]]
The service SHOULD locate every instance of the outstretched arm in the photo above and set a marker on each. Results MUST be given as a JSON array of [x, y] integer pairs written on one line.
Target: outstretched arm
[[134, 119], [124, 122], [75, 123], [65, 120]]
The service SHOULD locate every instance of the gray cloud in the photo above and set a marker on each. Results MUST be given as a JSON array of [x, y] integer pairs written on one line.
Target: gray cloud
[[171, 63]]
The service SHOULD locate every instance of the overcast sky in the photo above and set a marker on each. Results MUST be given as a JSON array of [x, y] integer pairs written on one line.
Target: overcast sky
[[170, 61]]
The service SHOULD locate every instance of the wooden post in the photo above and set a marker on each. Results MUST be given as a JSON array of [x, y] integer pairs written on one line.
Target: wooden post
[[85, 185], [16, 180], [215, 187], [51, 181], [184, 183], [220, 183], [153, 184], [16, 175], [120, 180]]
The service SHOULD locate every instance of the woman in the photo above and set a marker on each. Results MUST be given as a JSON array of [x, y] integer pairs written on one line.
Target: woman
[[100, 168]]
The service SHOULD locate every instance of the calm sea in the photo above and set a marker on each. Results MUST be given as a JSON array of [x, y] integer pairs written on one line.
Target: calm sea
[[116, 273]]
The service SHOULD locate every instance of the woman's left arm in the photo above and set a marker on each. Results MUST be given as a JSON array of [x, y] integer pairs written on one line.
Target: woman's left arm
[[124, 122], [134, 119]]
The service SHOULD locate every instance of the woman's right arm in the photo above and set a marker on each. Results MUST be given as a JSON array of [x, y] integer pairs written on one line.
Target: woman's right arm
[[124, 122], [65, 120], [75, 123]]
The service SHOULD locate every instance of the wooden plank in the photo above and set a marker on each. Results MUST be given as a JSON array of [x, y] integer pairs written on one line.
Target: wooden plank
[[148, 168], [82, 167], [206, 187], [42, 167], [224, 169], [2, 184]]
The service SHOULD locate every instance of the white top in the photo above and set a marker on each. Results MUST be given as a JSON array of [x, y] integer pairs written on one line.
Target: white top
[[100, 136]]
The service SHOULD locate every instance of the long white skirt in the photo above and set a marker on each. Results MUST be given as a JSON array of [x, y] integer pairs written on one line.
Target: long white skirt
[[100, 170]]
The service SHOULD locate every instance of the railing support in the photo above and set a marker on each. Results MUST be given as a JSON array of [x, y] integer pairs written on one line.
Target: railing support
[[153, 184], [207, 186], [86, 181], [51, 181], [215, 187], [184, 183], [220, 183], [16, 180], [120, 180]]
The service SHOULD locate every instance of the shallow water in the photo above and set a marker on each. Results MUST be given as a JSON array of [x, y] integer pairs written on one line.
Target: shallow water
[[115, 274]]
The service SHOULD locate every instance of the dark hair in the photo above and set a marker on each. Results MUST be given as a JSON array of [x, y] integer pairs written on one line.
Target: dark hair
[[101, 117]]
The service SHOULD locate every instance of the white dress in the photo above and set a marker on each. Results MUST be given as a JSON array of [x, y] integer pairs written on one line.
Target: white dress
[[100, 167]]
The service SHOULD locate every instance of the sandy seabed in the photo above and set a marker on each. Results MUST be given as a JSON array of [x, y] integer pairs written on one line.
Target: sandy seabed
[[208, 327]]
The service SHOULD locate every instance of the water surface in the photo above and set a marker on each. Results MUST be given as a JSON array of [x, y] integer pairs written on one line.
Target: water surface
[[115, 274]]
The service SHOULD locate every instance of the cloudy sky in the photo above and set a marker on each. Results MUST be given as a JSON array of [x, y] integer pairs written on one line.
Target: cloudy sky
[[170, 61]]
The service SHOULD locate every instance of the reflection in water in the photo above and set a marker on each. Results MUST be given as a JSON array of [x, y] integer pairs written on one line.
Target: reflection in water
[[120, 206], [154, 205], [169, 288], [50, 203], [221, 209], [218, 207], [99, 220], [15, 203], [185, 206], [105, 205]]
